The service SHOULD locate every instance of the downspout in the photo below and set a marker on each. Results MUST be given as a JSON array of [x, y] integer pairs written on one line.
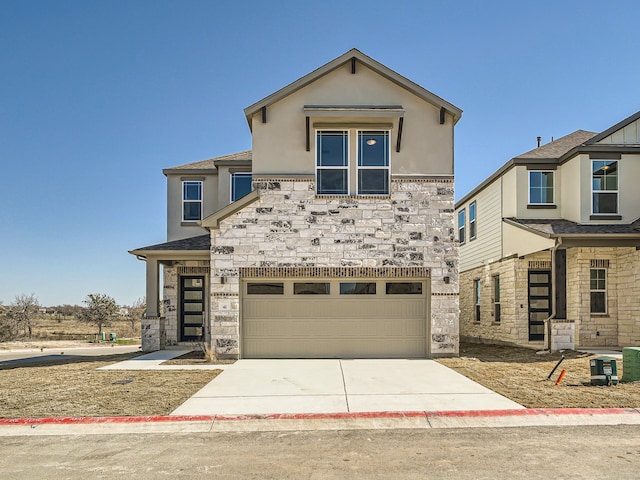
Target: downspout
[[557, 245]]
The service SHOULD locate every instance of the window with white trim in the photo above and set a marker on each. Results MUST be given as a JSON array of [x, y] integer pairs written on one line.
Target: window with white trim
[[373, 162], [336, 174], [472, 221], [332, 162], [598, 291], [461, 223], [240, 185], [604, 186], [541, 187], [191, 201]]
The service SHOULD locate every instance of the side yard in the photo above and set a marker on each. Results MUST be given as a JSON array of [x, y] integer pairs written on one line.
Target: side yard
[[520, 374]]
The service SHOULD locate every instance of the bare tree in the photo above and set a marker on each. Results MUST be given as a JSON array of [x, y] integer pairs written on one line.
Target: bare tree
[[100, 311], [136, 311], [23, 312]]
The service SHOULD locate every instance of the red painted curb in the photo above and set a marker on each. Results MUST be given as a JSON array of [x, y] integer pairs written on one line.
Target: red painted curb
[[317, 416]]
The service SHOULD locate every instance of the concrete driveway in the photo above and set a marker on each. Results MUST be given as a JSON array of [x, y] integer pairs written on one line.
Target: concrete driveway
[[337, 386]]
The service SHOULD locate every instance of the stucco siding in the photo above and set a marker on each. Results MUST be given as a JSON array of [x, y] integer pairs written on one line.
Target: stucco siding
[[485, 248], [279, 145], [176, 228]]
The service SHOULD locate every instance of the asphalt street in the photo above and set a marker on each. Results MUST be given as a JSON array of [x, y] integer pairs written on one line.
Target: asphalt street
[[602, 452]]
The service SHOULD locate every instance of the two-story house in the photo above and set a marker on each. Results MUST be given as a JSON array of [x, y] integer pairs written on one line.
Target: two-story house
[[333, 237], [549, 245]]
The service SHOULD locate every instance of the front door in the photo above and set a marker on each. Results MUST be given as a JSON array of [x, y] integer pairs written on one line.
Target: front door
[[191, 308], [539, 303]]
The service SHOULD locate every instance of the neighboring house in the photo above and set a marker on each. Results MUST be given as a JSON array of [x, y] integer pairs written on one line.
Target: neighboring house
[[549, 245], [333, 237]]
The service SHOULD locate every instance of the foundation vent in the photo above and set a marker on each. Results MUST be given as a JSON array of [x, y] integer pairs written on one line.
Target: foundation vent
[[539, 265], [599, 263]]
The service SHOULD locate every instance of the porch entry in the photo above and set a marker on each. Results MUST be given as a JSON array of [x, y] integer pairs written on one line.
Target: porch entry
[[539, 302], [191, 308]]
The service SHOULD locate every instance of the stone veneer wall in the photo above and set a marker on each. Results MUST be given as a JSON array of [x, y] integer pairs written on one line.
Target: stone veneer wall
[[563, 334], [171, 292], [153, 334], [289, 226], [513, 327], [629, 297]]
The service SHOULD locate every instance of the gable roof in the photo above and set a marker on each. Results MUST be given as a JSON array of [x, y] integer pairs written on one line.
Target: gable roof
[[340, 61], [210, 165], [557, 148], [614, 129], [551, 153], [194, 244]]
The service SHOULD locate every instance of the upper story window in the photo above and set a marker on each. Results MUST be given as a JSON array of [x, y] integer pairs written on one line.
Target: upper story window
[[240, 185], [461, 223], [332, 162], [373, 163], [191, 201], [472, 221], [334, 169], [604, 186], [541, 188]]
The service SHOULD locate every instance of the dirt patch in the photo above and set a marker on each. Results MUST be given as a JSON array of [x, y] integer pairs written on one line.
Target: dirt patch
[[73, 387], [196, 357], [520, 374]]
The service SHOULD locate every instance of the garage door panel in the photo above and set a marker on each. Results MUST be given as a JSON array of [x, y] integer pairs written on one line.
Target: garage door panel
[[334, 325]]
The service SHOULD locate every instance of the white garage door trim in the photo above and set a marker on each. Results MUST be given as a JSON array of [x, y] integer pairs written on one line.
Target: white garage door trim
[[297, 318]]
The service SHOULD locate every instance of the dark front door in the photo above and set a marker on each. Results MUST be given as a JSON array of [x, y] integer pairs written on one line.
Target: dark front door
[[539, 302], [191, 308]]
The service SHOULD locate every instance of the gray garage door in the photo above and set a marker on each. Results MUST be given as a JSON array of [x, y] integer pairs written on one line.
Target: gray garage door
[[334, 318]]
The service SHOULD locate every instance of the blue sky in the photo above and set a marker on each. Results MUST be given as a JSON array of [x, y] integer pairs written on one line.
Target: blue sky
[[97, 97]]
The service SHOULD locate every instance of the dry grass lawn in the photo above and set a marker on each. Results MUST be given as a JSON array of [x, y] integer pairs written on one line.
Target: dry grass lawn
[[520, 374], [76, 388]]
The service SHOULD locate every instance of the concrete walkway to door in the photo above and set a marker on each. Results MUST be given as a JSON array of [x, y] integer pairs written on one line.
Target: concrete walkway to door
[[336, 386]]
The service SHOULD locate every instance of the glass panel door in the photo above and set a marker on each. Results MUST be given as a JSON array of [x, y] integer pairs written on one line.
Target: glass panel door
[[191, 308], [539, 303]]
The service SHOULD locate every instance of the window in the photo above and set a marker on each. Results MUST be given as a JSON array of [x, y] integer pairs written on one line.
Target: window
[[472, 221], [265, 288], [496, 298], [311, 288], [332, 162], [373, 163], [598, 289], [605, 186], [334, 171], [476, 299], [404, 288], [191, 201], [240, 185], [541, 188], [461, 222], [357, 288]]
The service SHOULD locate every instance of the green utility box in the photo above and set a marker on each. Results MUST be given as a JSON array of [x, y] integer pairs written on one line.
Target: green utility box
[[604, 371], [630, 364], [103, 336], [112, 337]]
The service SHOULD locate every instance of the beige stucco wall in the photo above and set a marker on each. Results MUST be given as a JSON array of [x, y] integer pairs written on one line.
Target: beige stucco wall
[[175, 228], [518, 241], [279, 144], [572, 190]]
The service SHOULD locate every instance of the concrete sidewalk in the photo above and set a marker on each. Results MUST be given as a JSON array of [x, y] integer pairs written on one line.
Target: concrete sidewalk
[[339, 386], [307, 422]]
